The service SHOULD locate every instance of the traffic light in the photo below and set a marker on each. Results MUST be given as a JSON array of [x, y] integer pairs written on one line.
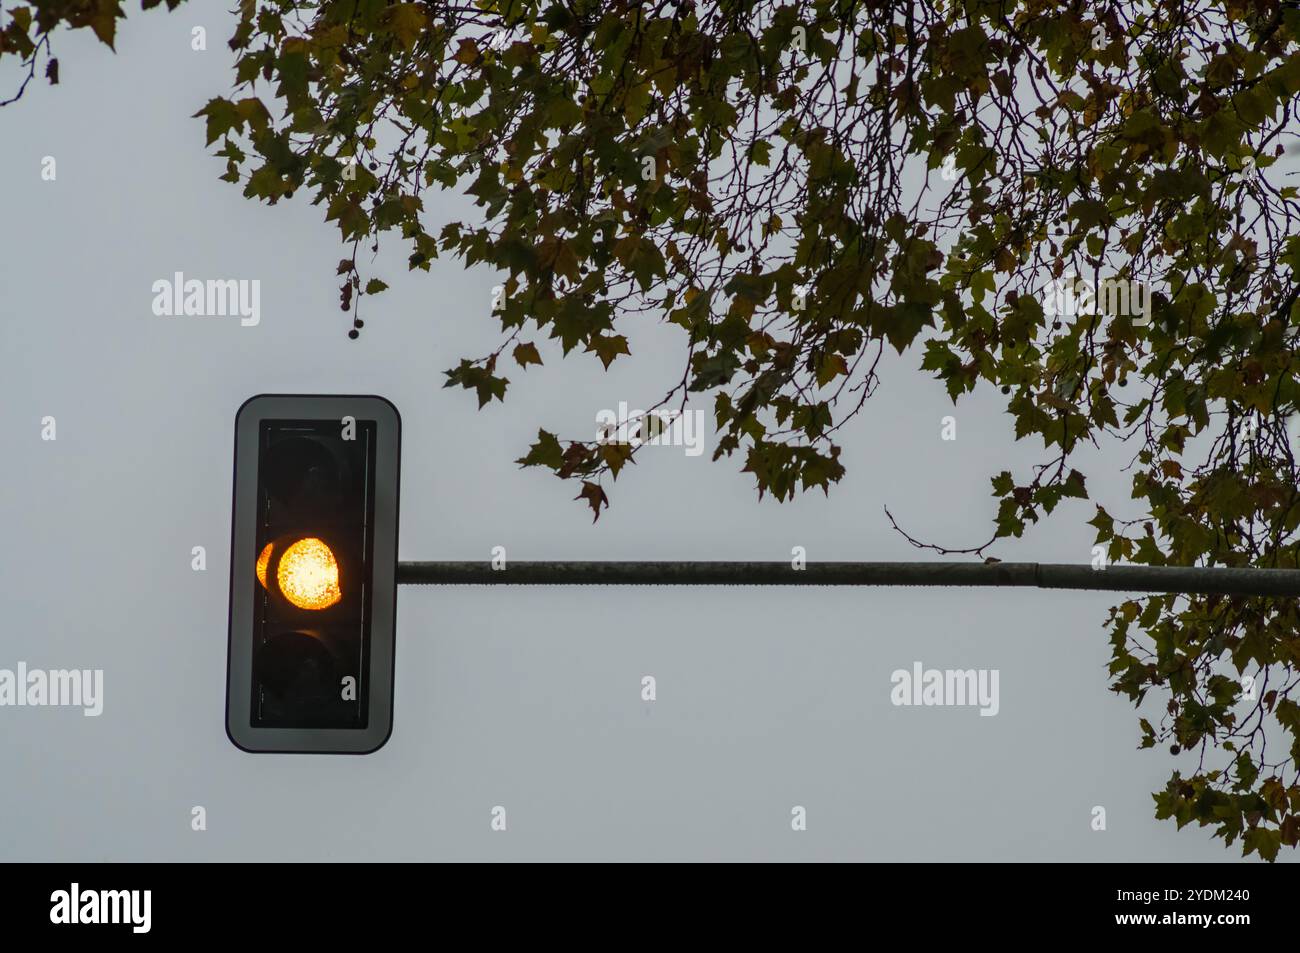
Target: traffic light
[[313, 588]]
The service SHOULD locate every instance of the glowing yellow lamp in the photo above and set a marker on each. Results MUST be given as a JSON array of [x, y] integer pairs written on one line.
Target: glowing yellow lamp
[[308, 574], [264, 560]]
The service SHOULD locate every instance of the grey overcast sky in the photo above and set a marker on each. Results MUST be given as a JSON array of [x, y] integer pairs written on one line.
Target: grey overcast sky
[[527, 699]]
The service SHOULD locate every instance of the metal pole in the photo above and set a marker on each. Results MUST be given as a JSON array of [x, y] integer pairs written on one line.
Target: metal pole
[[1187, 579]]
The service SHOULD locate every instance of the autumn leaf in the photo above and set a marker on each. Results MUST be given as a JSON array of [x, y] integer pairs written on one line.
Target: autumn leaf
[[608, 347], [525, 354], [595, 497]]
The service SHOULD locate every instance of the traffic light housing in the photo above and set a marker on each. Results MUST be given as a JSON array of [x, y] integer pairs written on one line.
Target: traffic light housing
[[313, 574]]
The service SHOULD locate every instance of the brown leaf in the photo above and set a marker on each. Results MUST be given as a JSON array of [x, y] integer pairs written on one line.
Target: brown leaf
[[467, 52], [526, 354], [595, 497]]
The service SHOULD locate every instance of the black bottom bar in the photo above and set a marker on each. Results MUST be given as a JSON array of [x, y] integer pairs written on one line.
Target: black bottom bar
[[1215, 906]]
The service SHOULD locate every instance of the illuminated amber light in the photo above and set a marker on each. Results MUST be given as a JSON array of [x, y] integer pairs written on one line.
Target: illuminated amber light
[[309, 575], [264, 560]]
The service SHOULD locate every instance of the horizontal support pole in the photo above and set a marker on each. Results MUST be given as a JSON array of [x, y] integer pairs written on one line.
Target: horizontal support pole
[[1185, 579]]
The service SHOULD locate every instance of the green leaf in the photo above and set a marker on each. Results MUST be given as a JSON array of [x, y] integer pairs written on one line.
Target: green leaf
[[546, 452]]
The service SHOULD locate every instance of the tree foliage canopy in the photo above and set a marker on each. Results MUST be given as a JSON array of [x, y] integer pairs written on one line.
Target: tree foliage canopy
[[801, 185]]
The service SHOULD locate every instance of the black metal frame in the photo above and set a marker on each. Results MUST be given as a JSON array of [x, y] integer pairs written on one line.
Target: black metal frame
[[383, 592]]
